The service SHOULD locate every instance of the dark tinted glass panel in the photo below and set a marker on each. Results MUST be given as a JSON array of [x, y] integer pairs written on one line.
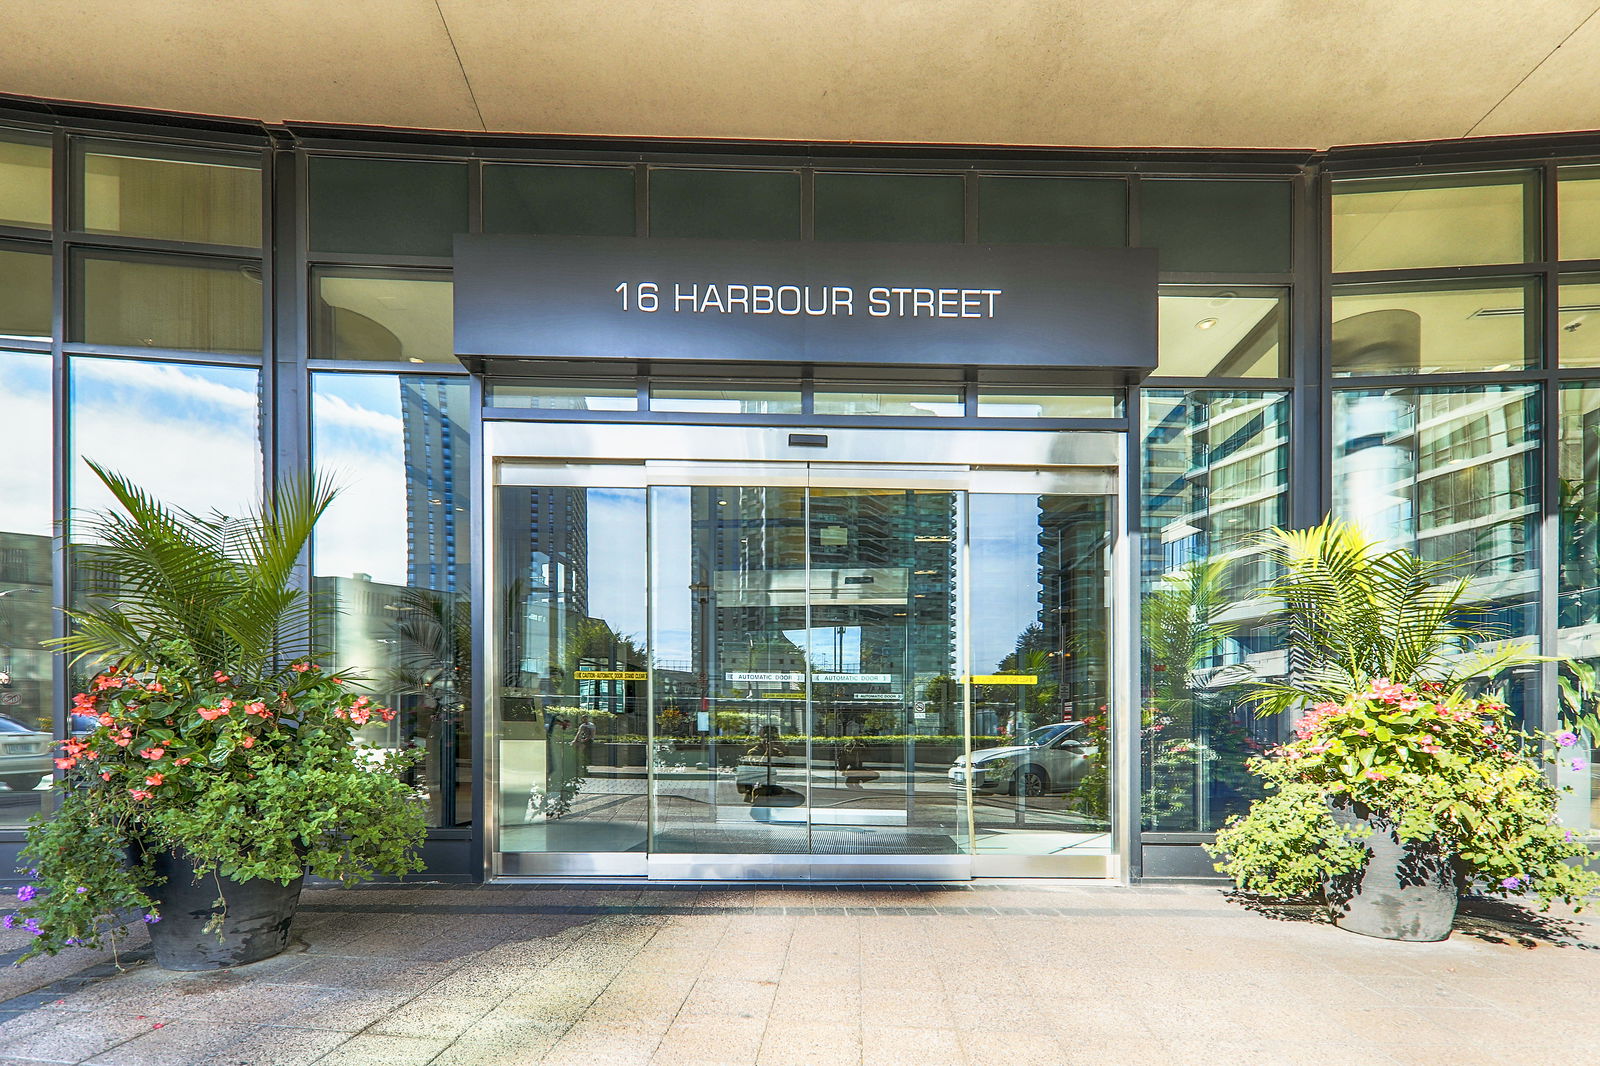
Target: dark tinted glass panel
[[26, 509], [155, 301], [583, 201], [24, 180], [1222, 333], [387, 316], [391, 555], [1433, 220], [890, 207], [1439, 326], [208, 197], [1219, 226], [1084, 212], [1215, 474], [725, 204], [25, 291], [387, 206]]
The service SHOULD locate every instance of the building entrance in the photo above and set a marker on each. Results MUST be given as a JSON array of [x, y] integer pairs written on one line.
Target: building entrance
[[803, 667]]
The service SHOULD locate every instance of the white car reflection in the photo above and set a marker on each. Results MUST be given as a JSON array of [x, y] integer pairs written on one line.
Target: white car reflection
[[1051, 758]]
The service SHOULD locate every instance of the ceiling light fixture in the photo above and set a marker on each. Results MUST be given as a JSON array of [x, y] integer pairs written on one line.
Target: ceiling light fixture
[[1205, 323]]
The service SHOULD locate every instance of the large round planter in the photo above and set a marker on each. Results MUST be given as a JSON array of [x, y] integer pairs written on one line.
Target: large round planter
[[1406, 890], [254, 920]]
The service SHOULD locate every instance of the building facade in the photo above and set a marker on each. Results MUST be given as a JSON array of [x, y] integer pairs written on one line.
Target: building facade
[[751, 618]]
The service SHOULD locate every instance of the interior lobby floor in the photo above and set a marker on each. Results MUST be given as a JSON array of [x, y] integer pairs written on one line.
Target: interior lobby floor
[[1044, 973]]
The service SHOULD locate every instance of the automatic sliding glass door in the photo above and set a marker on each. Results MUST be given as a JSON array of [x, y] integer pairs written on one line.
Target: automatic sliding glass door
[[785, 669]]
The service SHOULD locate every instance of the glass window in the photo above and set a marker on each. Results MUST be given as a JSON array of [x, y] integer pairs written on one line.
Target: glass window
[[1578, 212], [583, 201], [190, 435], [1434, 220], [391, 556], [137, 300], [1448, 473], [387, 206], [997, 401], [24, 179], [1579, 472], [1217, 226], [733, 398], [1215, 474], [892, 400], [390, 316], [170, 193], [1084, 212], [26, 596], [25, 300], [1434, 327], [890, 207], [760, 205], [1222, 333], [567, 396], [1579, 339]]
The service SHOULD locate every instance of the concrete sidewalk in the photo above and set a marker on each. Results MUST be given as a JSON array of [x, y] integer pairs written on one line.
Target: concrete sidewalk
[[997, 975]]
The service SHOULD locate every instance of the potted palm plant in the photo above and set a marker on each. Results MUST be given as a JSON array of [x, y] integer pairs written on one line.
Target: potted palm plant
[[1407, 782], [224, 765]]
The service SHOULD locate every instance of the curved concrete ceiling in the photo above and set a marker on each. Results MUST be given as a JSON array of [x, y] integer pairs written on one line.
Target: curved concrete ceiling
[[1131, 73]]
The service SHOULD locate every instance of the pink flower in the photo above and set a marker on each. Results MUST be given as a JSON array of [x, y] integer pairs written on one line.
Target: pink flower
[[140, 794], [66, 764], [183, 761], [105, 777], [248, 742], [301, 668], [221, 678], [1385, 690], [212, 714], [153, 753], [257, 708], [1374, 775], [155, 779]]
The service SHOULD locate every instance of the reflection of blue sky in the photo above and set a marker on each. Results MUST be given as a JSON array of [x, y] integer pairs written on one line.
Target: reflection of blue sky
[[25, 443], [617, 559], [1003, 583], [188, 434], [671, 639], [358, 440]]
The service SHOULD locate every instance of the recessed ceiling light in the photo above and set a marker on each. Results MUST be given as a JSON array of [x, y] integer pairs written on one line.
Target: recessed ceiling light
[[1205, 323], [413, 359]]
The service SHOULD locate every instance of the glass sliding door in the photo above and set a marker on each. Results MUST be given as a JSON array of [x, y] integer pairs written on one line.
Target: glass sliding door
[[802, 670]]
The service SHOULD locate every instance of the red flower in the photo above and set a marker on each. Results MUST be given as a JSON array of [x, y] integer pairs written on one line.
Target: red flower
[[258, 708], [212, 714], [184, 761], [66, 764], [248, 742], [140, 794], [154, 779], [153, 753], [221, 678], [105, 777]]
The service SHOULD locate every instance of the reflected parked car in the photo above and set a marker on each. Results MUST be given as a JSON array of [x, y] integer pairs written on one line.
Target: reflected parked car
[[26, 754], [1051, 758]]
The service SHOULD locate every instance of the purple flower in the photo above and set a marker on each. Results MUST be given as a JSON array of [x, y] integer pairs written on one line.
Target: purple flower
[[151, 919], [1566, 740], [1511, 883], [9, 921], [80, 890], [25, 893], [1578, 764], [1568, 835], [32, 926]]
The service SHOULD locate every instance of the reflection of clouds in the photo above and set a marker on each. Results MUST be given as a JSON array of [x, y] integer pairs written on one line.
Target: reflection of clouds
[[1004, 577], [362, 448], [189, 435], [25, 443]]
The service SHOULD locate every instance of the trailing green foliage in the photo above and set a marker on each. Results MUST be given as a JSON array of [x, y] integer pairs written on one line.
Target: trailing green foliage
[[209, 741], [1441, 767]]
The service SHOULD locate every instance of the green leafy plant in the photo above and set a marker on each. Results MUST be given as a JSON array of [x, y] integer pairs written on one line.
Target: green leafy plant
[[1445, 769], [209, 739], [1387, 659]]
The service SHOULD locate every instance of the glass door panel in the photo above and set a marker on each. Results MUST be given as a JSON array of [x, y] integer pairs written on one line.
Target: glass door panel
[[729, 619], [571, 721], [1039, 624], [882, 648]]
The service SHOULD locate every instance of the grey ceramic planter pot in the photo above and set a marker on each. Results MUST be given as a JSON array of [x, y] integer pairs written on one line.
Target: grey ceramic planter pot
[[1404, 891], [254, 927]]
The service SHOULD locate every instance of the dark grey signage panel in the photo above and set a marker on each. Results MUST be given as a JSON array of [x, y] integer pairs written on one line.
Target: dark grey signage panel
[[804, 301]]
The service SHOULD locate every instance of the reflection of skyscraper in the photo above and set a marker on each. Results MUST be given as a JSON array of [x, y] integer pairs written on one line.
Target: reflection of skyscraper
[[437, 494], [545, 550]]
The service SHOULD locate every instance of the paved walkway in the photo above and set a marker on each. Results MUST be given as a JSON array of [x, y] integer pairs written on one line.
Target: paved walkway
[[1007, 975]]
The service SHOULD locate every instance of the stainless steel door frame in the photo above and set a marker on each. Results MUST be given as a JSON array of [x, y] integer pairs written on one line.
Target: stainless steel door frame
[[593, 455]]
